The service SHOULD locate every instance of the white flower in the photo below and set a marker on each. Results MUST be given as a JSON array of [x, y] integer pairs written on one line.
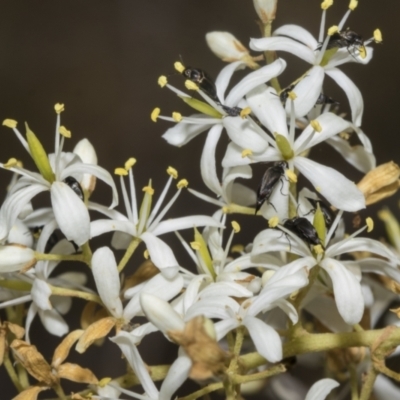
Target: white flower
[[319, 390]]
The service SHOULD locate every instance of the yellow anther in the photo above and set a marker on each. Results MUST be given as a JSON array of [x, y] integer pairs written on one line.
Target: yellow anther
[[195, 245], [65, 132], [19, 164], [245, 112], [353, 4], [235, 226], [316, 125], [12, 162], [378, 36], [191, 85], [294, 294], [162, 80], [363, 52], [129, 163], [59, 108], [273, 222], [318, 189], [182, 184], [318, 249], [237, 248], [148, 190], [177, 116], [370, 224], [154, 114], [146, 254], [332, 30], [326, 4], [292, 95], [179, 66], [246, 153], [291, 175], [10, 123], [120, 171], [104, 382], [344, 135], [172, 172], [226, 210]]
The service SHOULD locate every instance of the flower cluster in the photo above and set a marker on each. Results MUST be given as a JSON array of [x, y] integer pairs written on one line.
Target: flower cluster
[[238, 313]]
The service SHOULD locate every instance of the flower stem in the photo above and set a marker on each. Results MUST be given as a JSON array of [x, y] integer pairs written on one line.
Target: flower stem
[[353, 382], [11, 372], [128, 253], [59, 257], [369, 384], [58, 291]]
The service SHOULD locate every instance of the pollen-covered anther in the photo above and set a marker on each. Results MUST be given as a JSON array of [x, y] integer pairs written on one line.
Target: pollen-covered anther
[[370, 224], [318, 189], [362, 51], [104, 382], [353, 4], [237, 248], [154, 114], [246, 153], [182, 184], [191, 85], [177, 116], [146, 254], [172, 172], [318, 249], [10, 123], [291, 175], [326, 4], [292, 95], [162, 80], [378, 36], [12, 162], [235, 226], [316, 125], [179, 66], [245, 112], [332, 30], [273, 222], [65, 132], [59, 108], [148, 190], [129, 163], [120, 171], [195, 245]]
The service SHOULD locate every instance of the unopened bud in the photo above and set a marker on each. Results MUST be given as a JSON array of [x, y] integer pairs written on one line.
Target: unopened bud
[[85, 150], [16, 257], [265, 9]]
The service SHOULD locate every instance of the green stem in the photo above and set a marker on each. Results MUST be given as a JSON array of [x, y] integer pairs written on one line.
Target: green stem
[[59, 391], [87, 253], [368, 385], [353, 382], [11, 372], [128, 253], [59, 257], [275, 370], [58, 291], [236, 349], [208, 389]]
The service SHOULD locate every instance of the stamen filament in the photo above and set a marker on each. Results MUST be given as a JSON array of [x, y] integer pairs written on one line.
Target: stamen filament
[[160, 199], [134, 207]]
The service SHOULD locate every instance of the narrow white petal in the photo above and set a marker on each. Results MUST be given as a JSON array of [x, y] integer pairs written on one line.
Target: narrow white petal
[[106, 276], [223, 327], [379, 266], [101, 226], [53, 322], [212, 307], [20, 234], [298, 33], [242, 195], [224, 78], [71, 213], [284, 44], [347, 290], [265, 339], [353, 94], [41, 293], [230, 289], [321, 389], [335, 187], [343, 56], [14, 258], [385, 389], [177, 224]]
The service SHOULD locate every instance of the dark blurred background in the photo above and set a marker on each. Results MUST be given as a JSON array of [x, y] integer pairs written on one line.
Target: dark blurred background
[[102, 59]]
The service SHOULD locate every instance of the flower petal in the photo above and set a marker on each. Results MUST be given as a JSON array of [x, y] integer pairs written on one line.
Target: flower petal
[[298, 33], [102, 226], [41, 293], [53, 322], [321, 389], [224, 78]]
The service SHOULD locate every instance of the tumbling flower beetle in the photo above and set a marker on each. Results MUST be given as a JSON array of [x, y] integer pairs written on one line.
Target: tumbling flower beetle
[[323, 99], [329, 215], [74, 185], [202, 79], [351, 40], [269, 180], [304, 229]]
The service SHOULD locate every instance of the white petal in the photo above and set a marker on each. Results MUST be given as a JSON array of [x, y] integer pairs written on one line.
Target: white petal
[[30, 315], [242, 195], [298, 33], [224, 78], [336, 188], [230, 289], [385, 389], [70, 212], [223, 327], [160, 313], [254, 79], [212, 307], [343, 56], [321, 389], [106, 276], [101, 226], [128, 348], [379, 266], [353, 94], [177, 374], [53, 322], [20, 234], [265, 339], [284, 44], [14, 258], [347, 290], [267, 106], [41, 292]]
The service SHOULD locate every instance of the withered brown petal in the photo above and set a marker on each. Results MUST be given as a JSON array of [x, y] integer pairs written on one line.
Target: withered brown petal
[[63, 349], [76, 373], [17, 330], [31, 393]]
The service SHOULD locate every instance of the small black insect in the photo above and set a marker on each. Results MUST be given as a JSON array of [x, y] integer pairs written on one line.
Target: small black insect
[[203, 80], [52, 241], [348, 39], [284, 93], [323, 99], [232, 111], [271, 177], [74, 185], [329, 215], [304, 229]]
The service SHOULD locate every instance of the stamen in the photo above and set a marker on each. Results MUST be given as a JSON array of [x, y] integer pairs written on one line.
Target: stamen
[[145, 207], [273, 222], [246, 153], [146, 254], [237, 248], [65, 132], [154, 114], [130, 163], [318, 249], [378, 36], [182, 184], [326, 4], [191, 85], [149, 190], [132, 188], [332, 30], [333, 227], [195, 245], [160, 200], [292, 95], [316, 125], [59, 108], [353, 4], [177, 116], [162, 80], [11, 163], [172, 172], [10, 123], [226, 210], [235, 226], [344, 19], [370, 224], [179, 66], [192, 255], [291, 176], [120, 171], [245, 112], [123, 172]]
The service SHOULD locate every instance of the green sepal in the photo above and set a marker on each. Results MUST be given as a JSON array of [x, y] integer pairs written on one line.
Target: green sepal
[[145, 207], [204, 253], [201, 106], [284, 146], [39, 155], [319, 224], [16, 285]]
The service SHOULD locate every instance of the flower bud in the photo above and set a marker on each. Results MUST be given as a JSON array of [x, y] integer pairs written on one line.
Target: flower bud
[[226, 47], [265, 9], [16, 257], [87, 153]]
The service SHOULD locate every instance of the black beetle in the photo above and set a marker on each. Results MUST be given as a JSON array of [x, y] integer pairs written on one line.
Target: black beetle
[[74, 185], [304, 229]]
